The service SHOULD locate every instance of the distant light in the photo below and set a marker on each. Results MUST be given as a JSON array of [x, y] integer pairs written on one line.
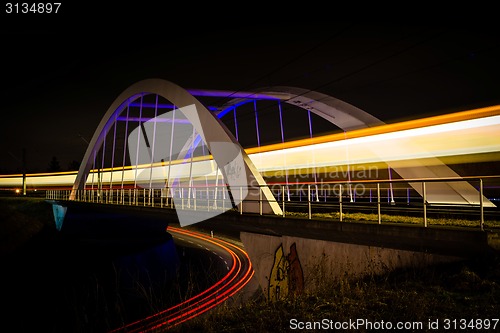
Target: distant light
[[17, 190], [35, 190]]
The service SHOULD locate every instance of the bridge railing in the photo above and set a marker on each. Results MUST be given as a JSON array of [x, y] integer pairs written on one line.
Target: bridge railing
[[332, 200], [389, 196]]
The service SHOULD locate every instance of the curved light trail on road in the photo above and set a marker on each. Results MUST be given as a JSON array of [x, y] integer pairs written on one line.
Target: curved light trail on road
[[240, 272]]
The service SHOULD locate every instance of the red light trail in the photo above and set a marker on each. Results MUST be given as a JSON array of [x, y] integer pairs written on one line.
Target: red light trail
[[238, 275]]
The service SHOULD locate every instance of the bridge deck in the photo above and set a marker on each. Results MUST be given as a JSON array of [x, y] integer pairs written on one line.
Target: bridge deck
[[457, 241]]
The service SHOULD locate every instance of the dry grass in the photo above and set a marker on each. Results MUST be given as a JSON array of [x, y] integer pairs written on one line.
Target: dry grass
[[20, 220], [466, 290], [387, 218]]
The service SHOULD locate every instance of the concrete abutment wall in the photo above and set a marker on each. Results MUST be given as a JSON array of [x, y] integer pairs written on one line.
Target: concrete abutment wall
[[286, 264]]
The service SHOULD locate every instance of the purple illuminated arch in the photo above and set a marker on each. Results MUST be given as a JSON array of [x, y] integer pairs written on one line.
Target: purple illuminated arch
[[348, 117], [214, 131], [337, 112]]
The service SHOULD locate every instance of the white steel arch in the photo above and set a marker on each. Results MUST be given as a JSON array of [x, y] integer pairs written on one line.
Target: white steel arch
[[348, 117], [204, 121], [337, 112]]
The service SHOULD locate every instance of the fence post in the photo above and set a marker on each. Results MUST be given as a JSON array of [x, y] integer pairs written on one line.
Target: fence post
[[194, 197], [172, 195], [378, 204], [260, 200], [340, 203], [241, 198], [309, 201], [425, 203], [181, 193], [481, 203], [283, 199]]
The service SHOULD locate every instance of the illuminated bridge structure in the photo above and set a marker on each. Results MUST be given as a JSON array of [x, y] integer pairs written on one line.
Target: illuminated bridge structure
[[221, 149], [204, 152]]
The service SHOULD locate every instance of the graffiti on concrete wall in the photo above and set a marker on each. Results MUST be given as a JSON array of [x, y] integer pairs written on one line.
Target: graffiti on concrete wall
[[286, 278]]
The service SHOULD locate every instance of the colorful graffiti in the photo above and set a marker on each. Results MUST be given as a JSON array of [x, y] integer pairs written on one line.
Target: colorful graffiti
[[286, 278]]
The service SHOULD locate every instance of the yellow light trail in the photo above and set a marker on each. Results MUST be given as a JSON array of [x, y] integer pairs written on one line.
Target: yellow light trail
[[415, 142]]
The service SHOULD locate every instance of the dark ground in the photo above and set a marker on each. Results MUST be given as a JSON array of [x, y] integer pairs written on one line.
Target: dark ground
[[468, 290], [70, 281]]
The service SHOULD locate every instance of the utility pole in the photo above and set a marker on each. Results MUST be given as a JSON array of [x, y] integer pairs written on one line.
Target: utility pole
[[23, 167], [24, 171]]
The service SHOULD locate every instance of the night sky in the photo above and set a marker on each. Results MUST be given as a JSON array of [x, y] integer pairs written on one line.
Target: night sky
[[58, 81]]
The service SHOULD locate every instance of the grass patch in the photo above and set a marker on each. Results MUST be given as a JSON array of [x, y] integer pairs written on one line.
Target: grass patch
[[21, 219], [468, 290], [387, 218]]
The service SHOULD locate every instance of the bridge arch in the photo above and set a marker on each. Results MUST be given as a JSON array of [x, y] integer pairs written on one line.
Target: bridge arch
[[345, 116], [348, 117], [212, 131]]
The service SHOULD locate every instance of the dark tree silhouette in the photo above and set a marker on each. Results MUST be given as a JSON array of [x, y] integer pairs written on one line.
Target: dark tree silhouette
[[54, 165], [73, 166]]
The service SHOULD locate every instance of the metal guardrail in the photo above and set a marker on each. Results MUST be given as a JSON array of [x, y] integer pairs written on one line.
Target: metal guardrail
[[305, 196]]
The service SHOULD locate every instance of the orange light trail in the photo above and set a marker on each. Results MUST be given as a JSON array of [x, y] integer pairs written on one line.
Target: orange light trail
[[451, 136], [238, 276], [382, 129]]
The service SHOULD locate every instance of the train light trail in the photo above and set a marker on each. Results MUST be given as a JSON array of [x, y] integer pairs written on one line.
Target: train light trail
[[413, 149]]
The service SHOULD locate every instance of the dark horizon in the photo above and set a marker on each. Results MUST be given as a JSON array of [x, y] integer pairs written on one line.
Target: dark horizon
[[57, 87]]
